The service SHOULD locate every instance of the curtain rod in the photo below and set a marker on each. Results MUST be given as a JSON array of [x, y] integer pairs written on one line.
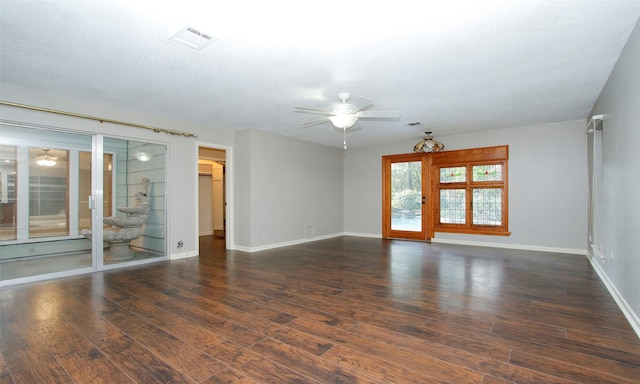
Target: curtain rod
[[99, 119]]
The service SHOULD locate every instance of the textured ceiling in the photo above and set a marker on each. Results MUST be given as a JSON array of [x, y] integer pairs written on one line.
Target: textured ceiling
[[454, 66]]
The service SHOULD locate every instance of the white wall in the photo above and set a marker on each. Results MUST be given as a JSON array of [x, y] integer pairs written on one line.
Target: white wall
[[619, 102], [288, 186], [182, 152], [547, 186]]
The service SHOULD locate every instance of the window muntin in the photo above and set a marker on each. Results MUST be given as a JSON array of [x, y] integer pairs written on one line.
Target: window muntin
[[453, 175], [469, 191], [484, 203]]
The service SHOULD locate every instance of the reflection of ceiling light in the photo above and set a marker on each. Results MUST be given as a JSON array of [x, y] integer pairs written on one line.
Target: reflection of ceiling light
[[343, 120], [46, 160], [143, 156]]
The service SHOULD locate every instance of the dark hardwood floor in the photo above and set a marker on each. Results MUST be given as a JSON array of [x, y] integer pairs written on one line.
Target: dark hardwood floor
[[333, 311]]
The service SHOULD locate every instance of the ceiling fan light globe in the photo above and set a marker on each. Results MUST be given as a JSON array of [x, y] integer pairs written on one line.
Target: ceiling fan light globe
[[343, 121]]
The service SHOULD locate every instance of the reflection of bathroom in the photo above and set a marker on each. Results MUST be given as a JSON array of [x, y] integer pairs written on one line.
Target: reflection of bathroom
[[121, 230]]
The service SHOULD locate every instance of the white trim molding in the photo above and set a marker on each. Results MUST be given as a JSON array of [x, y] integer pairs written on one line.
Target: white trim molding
[[284, 244], [522, 247], [631, 316], [183, 255], [370, 235]]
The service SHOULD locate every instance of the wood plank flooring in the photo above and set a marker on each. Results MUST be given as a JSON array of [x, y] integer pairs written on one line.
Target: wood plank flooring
[[343, 310]]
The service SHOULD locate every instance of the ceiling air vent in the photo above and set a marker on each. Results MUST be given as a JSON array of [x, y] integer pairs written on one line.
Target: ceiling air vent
[[192, 38]]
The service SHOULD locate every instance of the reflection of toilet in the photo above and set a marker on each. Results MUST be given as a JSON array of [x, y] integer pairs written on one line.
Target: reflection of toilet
[[130, 226]]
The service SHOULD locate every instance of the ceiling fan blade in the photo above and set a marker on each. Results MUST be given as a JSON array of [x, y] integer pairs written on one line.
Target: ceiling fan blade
[[379, 114], [314, 110], [311, 123], [364, 108], [316, 113]]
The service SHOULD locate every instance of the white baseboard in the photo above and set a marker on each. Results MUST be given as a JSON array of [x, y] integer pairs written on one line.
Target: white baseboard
[[572, 251], [512, 246], [182, 255], [631, 316], [355, 234], [284, 244], [486, 244], [434, 240]]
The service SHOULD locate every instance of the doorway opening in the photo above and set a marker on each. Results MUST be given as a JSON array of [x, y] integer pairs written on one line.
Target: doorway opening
[[404, 197], [212, 195]]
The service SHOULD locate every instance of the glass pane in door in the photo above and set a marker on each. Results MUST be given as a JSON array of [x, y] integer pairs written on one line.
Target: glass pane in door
[[406, 196], [39, 184], [134, 210], [48, 192], [8, 229]]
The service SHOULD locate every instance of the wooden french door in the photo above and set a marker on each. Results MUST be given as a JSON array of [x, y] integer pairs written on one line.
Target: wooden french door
[[404, 213]]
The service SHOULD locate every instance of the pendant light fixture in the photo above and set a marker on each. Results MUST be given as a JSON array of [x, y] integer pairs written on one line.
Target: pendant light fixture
[[428, 144]]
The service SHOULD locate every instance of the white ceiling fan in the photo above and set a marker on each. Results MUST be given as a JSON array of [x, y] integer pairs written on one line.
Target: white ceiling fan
[[345, 115]]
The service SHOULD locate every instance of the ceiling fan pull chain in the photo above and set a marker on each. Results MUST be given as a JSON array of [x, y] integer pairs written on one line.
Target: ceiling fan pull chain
[[344, 135]]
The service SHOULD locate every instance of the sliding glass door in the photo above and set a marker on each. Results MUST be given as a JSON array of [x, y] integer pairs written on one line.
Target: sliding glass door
[[40, 177], [73, 203], [134, 226]]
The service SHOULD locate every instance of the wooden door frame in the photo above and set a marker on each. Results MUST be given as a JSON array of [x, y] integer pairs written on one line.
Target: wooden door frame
[[387, 232]]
